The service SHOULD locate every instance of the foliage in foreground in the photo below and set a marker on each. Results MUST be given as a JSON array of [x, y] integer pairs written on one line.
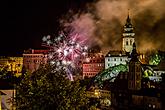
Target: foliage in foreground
[[47, 90]]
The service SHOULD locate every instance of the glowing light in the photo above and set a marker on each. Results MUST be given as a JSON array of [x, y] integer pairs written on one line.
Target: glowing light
[[64, 62], [77, 45], [86, 48], [52, 62], [96, 93], [155, 59], [48, 42], [48, 36], [87, 59], [84, 53], [71, 50], [66, 49], [44, 38], [65, 53], [59, 50]]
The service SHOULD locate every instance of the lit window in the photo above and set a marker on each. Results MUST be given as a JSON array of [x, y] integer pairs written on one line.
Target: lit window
[[131, 42]]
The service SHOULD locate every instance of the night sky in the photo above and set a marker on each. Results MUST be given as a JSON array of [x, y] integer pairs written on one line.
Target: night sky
[[23, 24]]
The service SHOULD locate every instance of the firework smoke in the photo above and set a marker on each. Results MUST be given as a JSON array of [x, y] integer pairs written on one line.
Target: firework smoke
[[102, 22]]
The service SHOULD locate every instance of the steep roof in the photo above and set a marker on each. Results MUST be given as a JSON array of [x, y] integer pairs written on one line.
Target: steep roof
[[116, 53]]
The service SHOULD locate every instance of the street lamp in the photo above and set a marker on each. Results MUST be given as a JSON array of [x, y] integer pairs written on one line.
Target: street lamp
[[97, 93]]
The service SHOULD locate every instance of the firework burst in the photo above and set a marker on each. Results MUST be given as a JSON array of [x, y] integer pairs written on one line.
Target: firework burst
[[66, 51]]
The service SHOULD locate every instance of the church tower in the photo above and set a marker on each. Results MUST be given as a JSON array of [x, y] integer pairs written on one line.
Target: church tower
[[128, 36], [134, 74]]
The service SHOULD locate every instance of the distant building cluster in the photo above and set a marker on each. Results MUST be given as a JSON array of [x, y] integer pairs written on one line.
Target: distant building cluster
[[139, 87], [94, 62], [132, 91], [13, 64]]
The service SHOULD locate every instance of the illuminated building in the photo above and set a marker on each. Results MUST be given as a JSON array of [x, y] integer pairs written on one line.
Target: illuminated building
[[157, 71], [127, 92], [32, 59], [92, 65], [13, 64], [128, 36], [102, 96], [114, 58], [98, 93]]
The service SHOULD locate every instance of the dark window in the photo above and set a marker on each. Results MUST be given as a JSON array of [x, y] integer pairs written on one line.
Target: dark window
[[138, 76], [126, 42]]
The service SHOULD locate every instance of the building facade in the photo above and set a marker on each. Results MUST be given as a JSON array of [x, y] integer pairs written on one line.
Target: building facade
[[92, 65], [114, 58], [32, 59], [13, 64]]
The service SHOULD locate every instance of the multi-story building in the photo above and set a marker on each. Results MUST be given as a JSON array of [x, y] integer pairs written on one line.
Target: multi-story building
[[13, 64], [32, 59], [92, 65], [114, 58]]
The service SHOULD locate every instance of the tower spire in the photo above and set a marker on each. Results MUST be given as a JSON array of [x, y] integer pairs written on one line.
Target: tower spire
[[128, 21], [135, 72], [134, 53], [128, 35]]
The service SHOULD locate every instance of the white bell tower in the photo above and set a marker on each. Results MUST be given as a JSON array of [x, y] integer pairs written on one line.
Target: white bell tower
[[128, 36]]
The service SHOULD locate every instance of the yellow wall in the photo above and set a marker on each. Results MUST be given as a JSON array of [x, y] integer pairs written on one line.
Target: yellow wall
[[13, 64]]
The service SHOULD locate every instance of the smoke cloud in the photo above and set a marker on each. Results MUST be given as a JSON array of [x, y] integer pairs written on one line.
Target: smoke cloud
[[102, 21]]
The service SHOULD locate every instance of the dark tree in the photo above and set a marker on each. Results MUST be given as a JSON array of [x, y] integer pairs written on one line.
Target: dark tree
[[46, 89]]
